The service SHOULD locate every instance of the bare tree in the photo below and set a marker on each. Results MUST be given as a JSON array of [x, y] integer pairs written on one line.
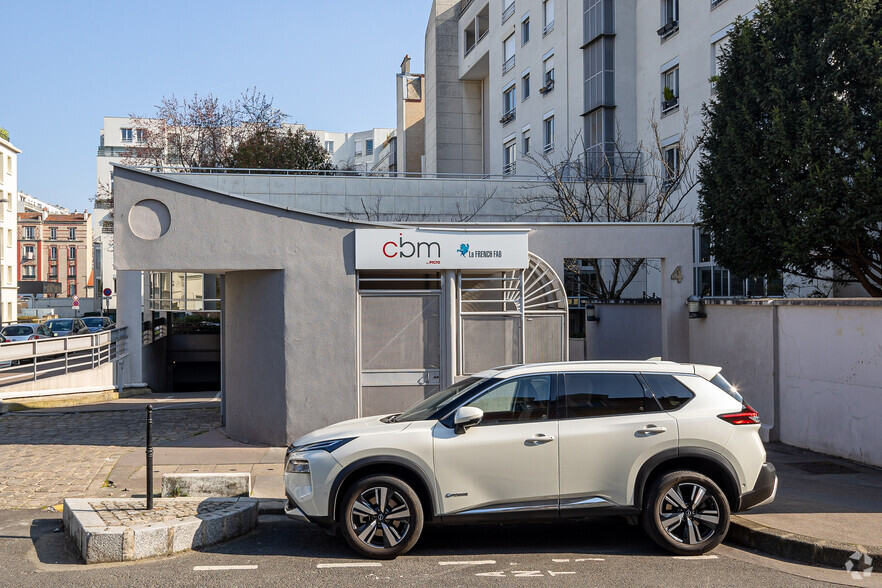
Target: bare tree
[[370, 210], [646, 184], [201, 132]]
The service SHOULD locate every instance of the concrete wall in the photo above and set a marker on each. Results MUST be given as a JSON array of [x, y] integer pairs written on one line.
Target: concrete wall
[[817, 361]]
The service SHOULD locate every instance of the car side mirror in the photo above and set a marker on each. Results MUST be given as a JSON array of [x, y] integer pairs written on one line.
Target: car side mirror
[[465, 417]]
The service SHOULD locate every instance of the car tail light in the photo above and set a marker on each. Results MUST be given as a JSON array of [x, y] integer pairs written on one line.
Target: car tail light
[[32, 337], [747, 416]]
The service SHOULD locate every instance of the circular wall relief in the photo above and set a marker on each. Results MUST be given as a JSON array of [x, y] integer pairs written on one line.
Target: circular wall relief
[[149, 219]]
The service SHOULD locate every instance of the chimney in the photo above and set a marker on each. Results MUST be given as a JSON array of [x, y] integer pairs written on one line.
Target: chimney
[[45, 213], [405, 65]]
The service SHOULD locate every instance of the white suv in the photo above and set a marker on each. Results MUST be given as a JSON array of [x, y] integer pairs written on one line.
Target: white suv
[[673, 443]]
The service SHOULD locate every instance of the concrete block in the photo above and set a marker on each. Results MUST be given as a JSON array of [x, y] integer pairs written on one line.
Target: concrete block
[[206, 484], [212, 529], [103, 545], [185, 534], [150, 541]]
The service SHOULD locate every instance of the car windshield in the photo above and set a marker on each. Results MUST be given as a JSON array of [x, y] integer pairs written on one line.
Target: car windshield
[[426, 408], [94, 321], [60, 325], [17, 331]]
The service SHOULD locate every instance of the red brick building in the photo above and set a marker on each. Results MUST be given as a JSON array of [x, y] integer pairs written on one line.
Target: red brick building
[[56, 248]]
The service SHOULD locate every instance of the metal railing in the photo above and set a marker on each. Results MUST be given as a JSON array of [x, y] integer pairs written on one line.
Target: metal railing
[[29, 361], [509, 10], [508, 64]]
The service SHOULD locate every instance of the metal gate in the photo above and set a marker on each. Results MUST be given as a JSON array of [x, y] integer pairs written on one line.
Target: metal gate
[[400, 341]]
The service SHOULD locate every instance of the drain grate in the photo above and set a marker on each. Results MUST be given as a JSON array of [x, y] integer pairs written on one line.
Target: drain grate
[[824, 467]]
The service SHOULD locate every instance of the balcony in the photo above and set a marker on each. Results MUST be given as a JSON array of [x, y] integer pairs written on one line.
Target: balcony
[[671, 27], [508, 64], [548, 87], [508, 117], [508, 11], [548, 28], [509, 169], [671, 104], [548, 148], [617, 166]]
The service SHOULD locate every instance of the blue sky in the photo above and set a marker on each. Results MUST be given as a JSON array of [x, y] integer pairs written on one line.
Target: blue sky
[[65, 65]]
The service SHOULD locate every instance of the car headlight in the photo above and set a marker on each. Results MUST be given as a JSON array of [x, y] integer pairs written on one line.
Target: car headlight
[[329, 445], [297, 466]]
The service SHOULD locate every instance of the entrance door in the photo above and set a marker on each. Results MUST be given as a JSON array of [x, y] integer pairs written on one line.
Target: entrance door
[[400, 350]]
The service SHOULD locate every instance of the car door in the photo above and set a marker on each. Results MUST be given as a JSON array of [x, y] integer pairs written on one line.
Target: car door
[[509, 462], [610, 425]]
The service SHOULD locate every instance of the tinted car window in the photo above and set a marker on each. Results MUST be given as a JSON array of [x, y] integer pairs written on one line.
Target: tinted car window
[[720, 382], [94, 321], [589, 395], [670, 393], [519, 399], [60, 325], [18, 331], [44, 330]]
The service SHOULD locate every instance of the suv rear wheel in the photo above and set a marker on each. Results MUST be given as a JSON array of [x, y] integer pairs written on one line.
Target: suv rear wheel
[[686, 513], [381, 517]]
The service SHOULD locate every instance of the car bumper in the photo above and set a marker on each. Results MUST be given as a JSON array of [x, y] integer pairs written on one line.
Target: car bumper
[[764, 490]]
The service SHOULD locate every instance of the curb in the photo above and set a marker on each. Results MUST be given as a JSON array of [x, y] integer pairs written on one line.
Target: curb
[[25, 402], [794, 546], [100, 543], [271, 506]]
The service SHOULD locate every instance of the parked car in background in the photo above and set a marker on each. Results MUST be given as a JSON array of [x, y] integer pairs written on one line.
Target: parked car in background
[[26, 331], [67, 327], [98, 323], [4, 364], [672, 444]]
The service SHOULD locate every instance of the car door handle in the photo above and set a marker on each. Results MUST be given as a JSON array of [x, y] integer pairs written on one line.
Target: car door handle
[[539, 439], [649, 430]]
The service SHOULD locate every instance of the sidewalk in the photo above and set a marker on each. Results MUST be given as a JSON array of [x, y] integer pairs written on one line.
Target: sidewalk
[[826, 509]]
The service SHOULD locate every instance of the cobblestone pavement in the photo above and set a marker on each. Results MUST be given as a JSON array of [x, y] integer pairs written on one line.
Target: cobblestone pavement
[[45, 458], [116, 513]]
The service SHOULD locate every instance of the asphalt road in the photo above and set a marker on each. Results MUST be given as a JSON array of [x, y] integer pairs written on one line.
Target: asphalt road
[[281, 552]]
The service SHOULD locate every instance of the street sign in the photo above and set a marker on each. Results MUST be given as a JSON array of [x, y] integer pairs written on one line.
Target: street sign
[[75, 297], [76, 303], [108, 291]]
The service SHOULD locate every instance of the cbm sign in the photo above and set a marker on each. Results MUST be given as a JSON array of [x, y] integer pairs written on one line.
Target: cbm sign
[[423, 249]]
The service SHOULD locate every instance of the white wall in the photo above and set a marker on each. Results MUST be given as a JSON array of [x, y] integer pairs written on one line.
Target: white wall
[[814, 372], [8, 228]]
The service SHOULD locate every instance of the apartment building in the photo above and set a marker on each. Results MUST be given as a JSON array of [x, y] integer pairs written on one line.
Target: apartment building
[[8, 261], [27, 203], [508, 81], [410, 132], [57, 248], [361, 151]]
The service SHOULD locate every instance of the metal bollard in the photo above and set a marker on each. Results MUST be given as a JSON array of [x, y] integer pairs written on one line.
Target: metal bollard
[[149, 457]]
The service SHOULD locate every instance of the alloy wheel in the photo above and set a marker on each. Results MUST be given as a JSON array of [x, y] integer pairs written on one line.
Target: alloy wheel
[[689, 513], [380, 517]]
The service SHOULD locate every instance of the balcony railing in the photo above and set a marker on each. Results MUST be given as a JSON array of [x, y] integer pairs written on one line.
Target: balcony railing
[[548, 28], [507, 117], [670, 104], [508, 64], [509, 10], [509, 168], [619, 165], [671, 27]]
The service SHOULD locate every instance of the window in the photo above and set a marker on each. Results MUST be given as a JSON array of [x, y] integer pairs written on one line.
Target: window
[[548, 133], [329, 147], [525, 143], [53, 233], [591, 395], [369, 147], [29, 252], [508, 105], [525, 86], [72, 233], [716, 54], [517, 400], [672, 164], [508, 53], [53, 271], [29, 232], [547, 75], [358, 148], [669, 392], [9, 165], [72, 252], [547, 16], [525, 31], [126, 135], [670, 16], [508, 8], [53, 253], [72, 290], [141, 135], [508, 158], [28, 271], [670, 89], [71, 271]]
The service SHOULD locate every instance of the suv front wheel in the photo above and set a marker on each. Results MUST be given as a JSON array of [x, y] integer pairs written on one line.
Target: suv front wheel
[[686, 513], [381, 517]]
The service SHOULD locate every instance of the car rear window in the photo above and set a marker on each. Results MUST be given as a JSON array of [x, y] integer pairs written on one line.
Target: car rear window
[[720, 382], [18, 331], [94, 321], [599, 394], [670, 393], [60, 325]]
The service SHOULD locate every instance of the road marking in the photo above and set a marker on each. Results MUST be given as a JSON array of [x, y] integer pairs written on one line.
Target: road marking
[[578, 559], [550, 573], [467, 563], [492, 574], [211, 568], [694, 557], [526, 573], [353, 564]]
